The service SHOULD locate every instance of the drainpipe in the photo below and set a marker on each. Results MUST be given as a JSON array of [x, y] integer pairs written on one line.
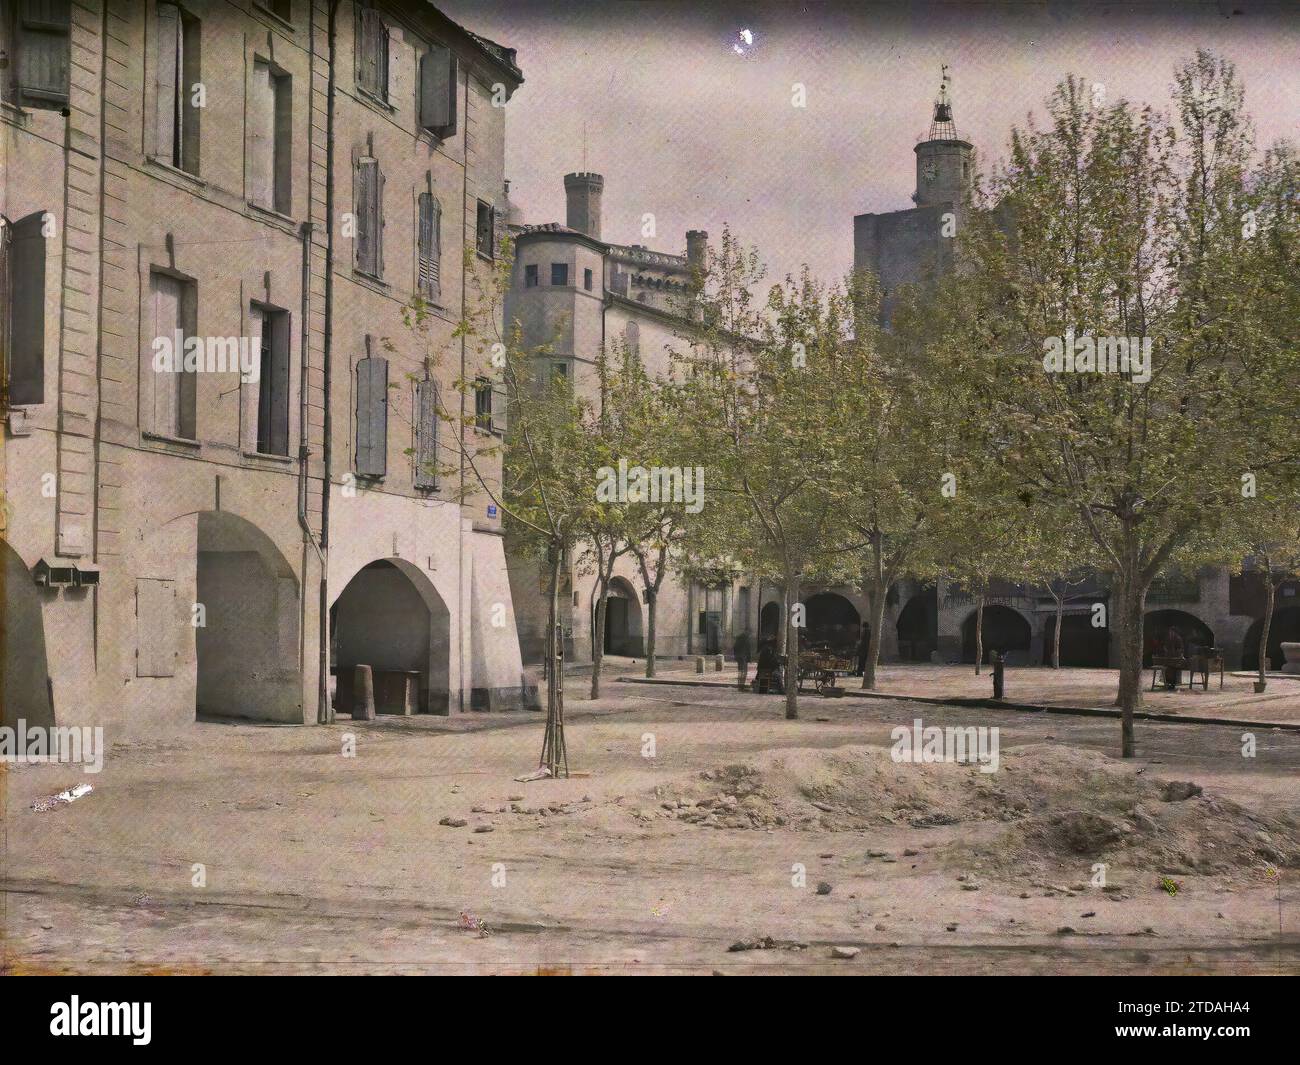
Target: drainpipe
[[460, 514], [304, 453], [324, 711]]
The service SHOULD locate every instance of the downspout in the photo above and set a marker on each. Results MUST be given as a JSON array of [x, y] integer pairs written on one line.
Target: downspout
[[324, 710], [460, 516]]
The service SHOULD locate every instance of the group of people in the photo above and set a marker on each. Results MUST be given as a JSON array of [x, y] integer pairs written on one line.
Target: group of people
[[768, 664], [769, 673]]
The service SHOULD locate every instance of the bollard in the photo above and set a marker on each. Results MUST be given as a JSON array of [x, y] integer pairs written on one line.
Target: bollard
[[999, 667], [363, 694], [717, 664], [699, 663]]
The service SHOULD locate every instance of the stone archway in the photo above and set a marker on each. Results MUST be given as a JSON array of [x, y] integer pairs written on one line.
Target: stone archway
[[1082, 644], [1285, 628], [246, 638], [769, 621], [25, 693], [1155, 629], [918, 627], [623, 632], [831, 621], [1005, 630], [390, 617]]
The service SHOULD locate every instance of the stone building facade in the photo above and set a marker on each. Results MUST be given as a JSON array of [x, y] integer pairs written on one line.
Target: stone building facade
[[581, 294], [263, 187]]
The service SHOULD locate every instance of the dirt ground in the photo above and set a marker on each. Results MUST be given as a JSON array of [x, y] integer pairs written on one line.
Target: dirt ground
[[743, 829]]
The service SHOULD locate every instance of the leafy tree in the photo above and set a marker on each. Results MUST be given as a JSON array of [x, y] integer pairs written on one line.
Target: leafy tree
[[1111, 223]]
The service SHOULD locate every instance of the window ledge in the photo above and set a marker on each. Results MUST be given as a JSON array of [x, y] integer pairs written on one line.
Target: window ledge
[[164, 438], [285, 459], [270, 214], [370, 281], [175, 171], [377, 102], [485, 258], [278, 19], [12, 113]]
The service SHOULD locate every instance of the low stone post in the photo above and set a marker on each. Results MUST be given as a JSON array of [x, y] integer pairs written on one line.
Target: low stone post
[[363, 694]]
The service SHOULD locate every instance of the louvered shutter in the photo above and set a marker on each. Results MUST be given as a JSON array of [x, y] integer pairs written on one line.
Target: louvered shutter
[[430, 246], [372, 417], [367, 239], [378, 215], [26, 270], [426, 434], [438, 91]]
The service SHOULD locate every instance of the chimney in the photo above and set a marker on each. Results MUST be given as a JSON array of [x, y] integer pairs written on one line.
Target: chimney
[[582, 192], [697, 248]]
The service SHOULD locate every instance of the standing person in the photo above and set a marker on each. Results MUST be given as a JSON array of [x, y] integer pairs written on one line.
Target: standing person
[[864, 645], [1174, 648], [742, 652]]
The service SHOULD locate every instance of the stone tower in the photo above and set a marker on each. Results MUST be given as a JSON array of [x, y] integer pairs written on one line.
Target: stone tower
[[582, 193], [944, 161]]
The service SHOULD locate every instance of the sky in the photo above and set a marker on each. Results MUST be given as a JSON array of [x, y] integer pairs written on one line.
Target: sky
[[654, 96]]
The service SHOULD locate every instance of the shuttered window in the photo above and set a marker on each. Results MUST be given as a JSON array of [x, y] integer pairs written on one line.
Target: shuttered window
[[372, 417], [269, 138], [176, 72], [171, 402], [273, 384], [370, 217], [499, 408], [485, 230], [426, 434], [430, 226], [438, 91], [42, 43], [372, 53], [22, 309]]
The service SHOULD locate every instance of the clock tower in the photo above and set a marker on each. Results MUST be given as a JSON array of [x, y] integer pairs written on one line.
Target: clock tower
[[944, 161]]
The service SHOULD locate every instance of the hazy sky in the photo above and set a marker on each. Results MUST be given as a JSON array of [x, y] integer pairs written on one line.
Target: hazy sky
[[683, 127]]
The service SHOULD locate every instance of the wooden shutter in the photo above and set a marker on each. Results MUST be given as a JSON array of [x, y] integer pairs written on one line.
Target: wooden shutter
[[157, 628], [378, 215], [367, 178], [426, 434], [430, 212], [372, 54], [261, 137], [26, 340], [438, 91], [276, 324], [165, 296], [43, 45], [167, 74], [372, 417]]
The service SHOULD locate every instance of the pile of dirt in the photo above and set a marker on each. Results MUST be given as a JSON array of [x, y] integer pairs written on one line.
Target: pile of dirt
[[1060, 805]]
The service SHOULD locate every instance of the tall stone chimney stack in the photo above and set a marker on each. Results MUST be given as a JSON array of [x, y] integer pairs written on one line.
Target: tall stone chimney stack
[[582, 195]]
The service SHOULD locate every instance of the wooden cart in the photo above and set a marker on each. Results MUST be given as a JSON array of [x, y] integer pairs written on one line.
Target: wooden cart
[[824, 668]]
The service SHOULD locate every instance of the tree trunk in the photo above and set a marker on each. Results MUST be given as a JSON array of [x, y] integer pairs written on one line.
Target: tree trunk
[[876, 619], [979, 634], [555, 757], [598, 636], [651, 611], [1269, 594], [1056, 636], [791, 652], [1131, 606]]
